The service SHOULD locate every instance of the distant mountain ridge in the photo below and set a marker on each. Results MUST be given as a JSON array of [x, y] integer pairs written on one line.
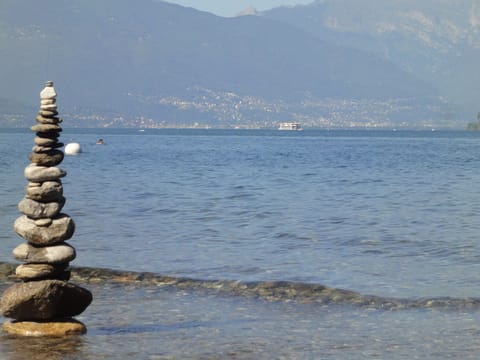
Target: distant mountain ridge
[[151, 63], [437, 41]]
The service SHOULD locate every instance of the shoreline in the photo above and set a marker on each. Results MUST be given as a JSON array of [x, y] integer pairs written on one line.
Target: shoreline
[[271, 291]]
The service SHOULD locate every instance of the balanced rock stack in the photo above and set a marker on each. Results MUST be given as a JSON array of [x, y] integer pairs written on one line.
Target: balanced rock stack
[[43, 303]]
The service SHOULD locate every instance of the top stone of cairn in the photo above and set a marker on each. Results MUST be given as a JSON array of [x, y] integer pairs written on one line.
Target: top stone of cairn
[[48, 92]]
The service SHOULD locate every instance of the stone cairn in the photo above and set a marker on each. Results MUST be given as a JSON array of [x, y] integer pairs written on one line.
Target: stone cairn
[[44, 302]]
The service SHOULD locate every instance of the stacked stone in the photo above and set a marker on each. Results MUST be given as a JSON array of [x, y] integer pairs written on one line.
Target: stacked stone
[[44, 302]]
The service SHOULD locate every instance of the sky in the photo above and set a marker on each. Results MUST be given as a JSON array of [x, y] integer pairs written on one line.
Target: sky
[[233, 7]]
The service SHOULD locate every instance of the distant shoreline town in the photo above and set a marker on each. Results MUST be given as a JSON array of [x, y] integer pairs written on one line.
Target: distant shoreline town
[[231, 111]]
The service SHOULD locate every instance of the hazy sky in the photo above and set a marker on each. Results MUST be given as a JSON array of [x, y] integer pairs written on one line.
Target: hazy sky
[[233, 7]]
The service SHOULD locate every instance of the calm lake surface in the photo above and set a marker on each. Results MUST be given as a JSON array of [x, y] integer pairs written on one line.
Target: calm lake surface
[[383, 213]]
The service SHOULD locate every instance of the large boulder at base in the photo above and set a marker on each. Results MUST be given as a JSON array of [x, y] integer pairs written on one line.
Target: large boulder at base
[[61, 229], [56, 254], [44, 300], [60, 328]]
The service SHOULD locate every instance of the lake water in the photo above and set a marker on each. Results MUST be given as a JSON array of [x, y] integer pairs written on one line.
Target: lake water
[[381, 213]]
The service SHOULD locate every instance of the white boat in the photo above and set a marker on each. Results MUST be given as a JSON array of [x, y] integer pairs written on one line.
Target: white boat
[[290, 126]]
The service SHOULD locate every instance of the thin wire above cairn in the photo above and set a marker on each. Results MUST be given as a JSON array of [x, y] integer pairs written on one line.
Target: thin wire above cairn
[[44, 303]]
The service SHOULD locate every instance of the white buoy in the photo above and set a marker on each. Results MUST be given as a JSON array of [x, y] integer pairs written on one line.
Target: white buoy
[[73, 149]]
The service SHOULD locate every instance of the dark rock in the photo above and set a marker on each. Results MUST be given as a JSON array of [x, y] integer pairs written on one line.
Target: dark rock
[[47, 158], [48, 135], [44, 300]]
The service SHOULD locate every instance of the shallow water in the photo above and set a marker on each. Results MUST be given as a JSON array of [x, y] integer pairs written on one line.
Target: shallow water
[[393, 215], [213, 326], [149, 322]]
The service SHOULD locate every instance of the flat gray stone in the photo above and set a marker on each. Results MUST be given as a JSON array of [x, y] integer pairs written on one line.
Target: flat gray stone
[[44, 300], [48, 107], [61, 229], [44, 141], [46, 128], [47, 113], [39, 210], [56, 254], [35, 173], [47, 191]]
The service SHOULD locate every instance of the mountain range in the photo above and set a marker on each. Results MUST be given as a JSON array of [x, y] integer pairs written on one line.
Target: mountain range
[[333, 63]]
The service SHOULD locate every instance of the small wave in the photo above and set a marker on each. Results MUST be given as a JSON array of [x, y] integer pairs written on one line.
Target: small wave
[[267, 290]]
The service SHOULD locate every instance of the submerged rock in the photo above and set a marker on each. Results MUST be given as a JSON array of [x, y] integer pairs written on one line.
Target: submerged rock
[[59, 328]]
